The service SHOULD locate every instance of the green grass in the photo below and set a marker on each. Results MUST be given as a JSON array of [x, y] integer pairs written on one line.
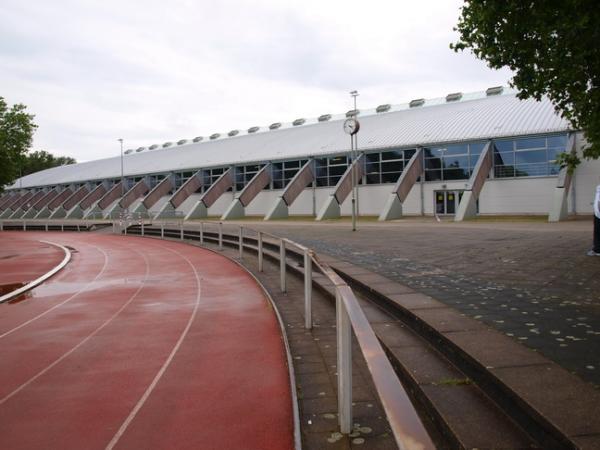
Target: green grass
[[454, 382]]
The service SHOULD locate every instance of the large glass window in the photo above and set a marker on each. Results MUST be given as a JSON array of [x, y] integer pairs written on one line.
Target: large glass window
[[243, 175], [330, 170], [283, 172], [386, 167], [528, 157], [451, 162]]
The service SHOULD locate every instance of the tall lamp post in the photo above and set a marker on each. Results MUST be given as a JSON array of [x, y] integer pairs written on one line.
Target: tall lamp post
[[351, 127], [122, 179]]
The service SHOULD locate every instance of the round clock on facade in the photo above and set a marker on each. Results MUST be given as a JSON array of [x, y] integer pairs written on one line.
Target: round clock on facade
[[351, 126]]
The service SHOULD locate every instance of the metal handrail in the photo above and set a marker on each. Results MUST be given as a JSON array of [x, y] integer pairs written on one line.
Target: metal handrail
[[407, 428]]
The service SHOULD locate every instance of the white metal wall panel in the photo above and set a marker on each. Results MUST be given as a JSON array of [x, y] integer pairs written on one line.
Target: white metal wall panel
[[502, 115]]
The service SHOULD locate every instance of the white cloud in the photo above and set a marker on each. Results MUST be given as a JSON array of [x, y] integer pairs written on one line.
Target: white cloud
[[152, 71]]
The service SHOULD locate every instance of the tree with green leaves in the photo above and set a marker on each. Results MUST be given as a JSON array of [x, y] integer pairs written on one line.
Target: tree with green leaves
[[16, 133], [551, 46], [41, 160]]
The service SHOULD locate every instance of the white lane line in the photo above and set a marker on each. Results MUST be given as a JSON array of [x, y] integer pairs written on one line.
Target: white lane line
[[87, 338], [33, 319], [41, 279], [165, 365]]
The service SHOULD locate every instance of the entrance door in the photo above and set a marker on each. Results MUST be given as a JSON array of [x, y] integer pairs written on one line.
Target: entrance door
[[446, 202]]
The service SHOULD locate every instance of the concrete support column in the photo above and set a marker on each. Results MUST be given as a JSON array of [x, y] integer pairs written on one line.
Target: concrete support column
[[211, 195], [467, 208], [237, 208], [412, 171], [559, 210], [305, 176], [188, 188], [331, 209]]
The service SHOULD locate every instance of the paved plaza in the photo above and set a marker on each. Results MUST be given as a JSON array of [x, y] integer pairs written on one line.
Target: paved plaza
[[529, 279]]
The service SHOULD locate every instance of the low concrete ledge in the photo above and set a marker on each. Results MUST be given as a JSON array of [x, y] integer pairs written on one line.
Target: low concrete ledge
[[41, 279]]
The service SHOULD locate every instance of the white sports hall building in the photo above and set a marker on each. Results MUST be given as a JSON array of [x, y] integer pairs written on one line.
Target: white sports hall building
[[463, 155]]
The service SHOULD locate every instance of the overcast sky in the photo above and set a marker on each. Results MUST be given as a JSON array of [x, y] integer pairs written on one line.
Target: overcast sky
[[155, 71]]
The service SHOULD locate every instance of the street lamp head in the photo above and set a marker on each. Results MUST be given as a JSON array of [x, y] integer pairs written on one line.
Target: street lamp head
[[354, 93]]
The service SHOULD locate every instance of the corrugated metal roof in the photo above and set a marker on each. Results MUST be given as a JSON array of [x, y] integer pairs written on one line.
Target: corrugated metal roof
[[471, 118]]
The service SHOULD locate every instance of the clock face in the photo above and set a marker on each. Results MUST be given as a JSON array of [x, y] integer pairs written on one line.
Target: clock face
[[351, 126]]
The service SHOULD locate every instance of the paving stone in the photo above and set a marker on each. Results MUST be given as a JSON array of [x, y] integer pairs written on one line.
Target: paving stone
[[539, 268]]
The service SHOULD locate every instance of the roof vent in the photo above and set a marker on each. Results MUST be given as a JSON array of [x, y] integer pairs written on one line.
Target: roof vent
[[153, 147], [140, 149], [253, 129], [496, 90], [298, 122], [353, 112], [324, 117], [215, 136], [233, 133], [274, 126], [455, 96], [181, 142], [198, 138], [167, 144], [383, 108], [416, 102], [127, 152]]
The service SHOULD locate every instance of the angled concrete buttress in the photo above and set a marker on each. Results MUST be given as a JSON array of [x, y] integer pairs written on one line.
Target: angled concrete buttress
[[21, 210], [62, 211], [188, 188], [258, 182], [412, 171], [305, 176], [211, 195], [96, 211], [559, 209], [138, 190], [467, 208], [164, 187], [79, 209], [7, 199], [331, 209], [58, 200], [41, 203], [16, 204]]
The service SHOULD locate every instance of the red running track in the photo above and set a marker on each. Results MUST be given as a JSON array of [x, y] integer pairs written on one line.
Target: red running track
[[142, 344]]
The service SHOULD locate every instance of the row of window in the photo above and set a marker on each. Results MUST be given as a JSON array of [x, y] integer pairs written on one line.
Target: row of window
[[525, 157]]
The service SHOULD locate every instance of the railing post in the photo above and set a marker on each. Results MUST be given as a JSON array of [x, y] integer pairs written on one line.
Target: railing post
[[181, 230], [307, 289], [241, 239], [201, 233], [282, 264], [162, 230], [142, 227], [1, 226], [24, 226], [220, 235], [62, 227], [260, 251], [344, 364]]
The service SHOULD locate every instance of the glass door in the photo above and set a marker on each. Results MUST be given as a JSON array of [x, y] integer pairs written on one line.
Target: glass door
[[446, 202]]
